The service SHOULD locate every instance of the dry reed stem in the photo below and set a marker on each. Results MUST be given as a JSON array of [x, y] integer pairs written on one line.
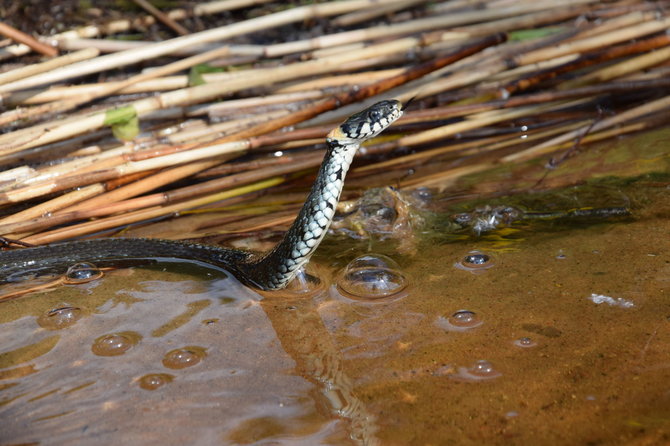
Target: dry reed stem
[[29, 97], [482, 145], [414, 26], [621, 69], [375, 88], [336, 81], [30, 70], [651, 25], [101, 206], [234, 106], [45, 209], [372, 12], [129, 57], [62, 106], [612, 25], [65, 128], [343, 99], [443, 180], [116, 46], [521, 21], [619, 26], [479, 120], [143, 214], [587, 60], [144, 185], [655, 106], [77, 180], [123, 25], [532, 98]]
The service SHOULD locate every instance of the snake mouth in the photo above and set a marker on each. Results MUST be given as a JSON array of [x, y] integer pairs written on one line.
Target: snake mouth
[[336, 133]]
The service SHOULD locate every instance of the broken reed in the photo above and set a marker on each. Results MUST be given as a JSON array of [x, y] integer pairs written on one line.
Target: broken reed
[[114, 185]]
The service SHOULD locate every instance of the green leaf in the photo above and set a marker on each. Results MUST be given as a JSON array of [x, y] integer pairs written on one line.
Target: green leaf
[[124, 122], [195, 74], [529, 34]]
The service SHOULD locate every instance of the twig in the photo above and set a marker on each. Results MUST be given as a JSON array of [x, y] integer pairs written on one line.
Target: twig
[[30, 70], [21, 37], [132, 56], [626, 116], [164, 18]]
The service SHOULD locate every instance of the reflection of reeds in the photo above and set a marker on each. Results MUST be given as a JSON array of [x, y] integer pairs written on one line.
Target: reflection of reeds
[[552, 77]]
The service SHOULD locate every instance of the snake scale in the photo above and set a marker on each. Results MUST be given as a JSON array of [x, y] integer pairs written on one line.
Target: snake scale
[[271, 271]]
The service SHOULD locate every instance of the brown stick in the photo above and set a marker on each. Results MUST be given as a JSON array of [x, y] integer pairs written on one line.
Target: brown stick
[[452, 111], [588, 60], [376, 88], [21, 37], [167, 21], [259, 129]]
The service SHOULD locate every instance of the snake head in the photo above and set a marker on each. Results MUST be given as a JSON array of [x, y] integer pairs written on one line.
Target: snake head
[[367, 123]]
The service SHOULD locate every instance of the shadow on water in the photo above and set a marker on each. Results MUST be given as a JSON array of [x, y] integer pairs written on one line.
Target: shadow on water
[[552, 331]]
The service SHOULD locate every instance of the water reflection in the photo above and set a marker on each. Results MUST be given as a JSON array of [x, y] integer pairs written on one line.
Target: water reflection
[[215, 354], [521, 352]]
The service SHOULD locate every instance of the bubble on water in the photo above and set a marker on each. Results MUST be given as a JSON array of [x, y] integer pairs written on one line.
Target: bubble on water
[[82, 273], [153, 381], [371, 277], [481, 370], [462, 320], [59, 318], [181, 358], [115, 344], [475, 262], [423, 193], [476, 259], [525, 342]]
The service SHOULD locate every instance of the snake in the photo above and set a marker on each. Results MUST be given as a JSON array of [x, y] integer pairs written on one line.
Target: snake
[[270, 271]]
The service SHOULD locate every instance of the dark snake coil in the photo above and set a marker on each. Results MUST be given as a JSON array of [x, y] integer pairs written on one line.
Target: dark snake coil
[[270, 271]]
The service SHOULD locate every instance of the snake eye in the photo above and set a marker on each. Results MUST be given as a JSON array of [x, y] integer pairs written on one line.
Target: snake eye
[[375, 115]]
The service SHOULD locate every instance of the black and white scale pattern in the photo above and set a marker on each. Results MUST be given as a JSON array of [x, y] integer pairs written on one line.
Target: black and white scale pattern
[[279, 266], [269, 272]]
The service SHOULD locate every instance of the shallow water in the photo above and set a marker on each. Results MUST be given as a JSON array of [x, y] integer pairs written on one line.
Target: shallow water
[[563, 340]]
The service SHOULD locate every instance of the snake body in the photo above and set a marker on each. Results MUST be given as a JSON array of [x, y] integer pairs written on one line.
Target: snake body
[[271, 271]]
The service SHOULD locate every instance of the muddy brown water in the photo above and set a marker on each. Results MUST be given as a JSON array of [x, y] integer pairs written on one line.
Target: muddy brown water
[[563, 340]]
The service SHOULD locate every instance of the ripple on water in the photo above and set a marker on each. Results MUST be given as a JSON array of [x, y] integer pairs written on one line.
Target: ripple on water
[[475, 262], [481, 370], [371, 277], [115, 344], [524, 342], [181, 358], [59, 318], [306, 283]]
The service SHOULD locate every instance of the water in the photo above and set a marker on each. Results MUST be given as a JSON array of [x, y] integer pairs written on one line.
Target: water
[[517, 353]]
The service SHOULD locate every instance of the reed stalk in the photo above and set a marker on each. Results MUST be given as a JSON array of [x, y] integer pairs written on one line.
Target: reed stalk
[[550, 76]]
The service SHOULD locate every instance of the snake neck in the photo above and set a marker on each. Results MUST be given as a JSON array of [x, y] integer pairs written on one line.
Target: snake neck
[[276, 269]]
